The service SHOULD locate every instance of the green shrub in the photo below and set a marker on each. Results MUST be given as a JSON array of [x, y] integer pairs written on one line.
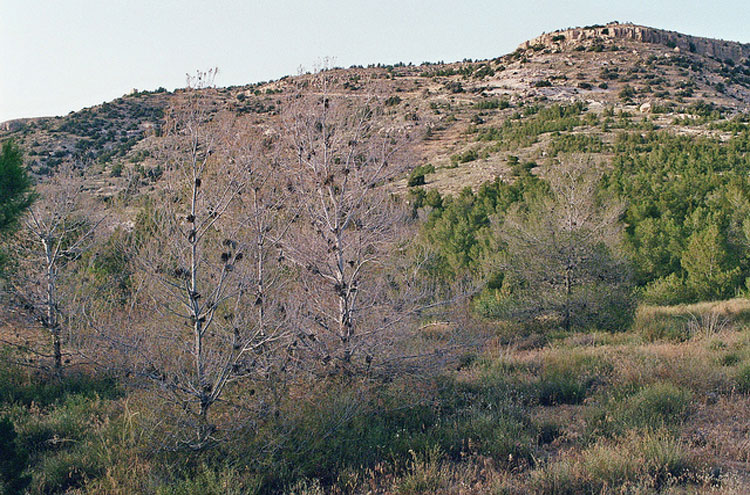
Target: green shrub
[[639, 462], [501, 436], [59, 427], [657, 406], [392, 101], [417, 176], [12, 461], [64, 471], [666, 291], [208, 480], [743, 380], [666, 458], [424, 474], [606, 465], [626, 93], [492, 104], [548, 432], [20, 386], [518, 169], [116, 169], [562, 388], [465, 157], [342, 431], [454, 87], [659, 327], [568, 378]]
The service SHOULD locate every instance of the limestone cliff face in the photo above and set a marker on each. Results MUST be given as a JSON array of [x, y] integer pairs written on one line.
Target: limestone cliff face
[[706, 47]]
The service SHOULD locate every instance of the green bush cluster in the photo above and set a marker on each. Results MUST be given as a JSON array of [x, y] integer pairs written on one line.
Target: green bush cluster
[[492, 104], [417, 176], [688, 203], [532, 121], [657, 406], [464, 157]]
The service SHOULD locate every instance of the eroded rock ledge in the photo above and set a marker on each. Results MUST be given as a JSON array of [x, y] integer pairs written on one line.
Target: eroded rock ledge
[[706, 47]]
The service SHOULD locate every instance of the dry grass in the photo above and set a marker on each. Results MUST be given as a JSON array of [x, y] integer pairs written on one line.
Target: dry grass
[[738, 308], [714, 436], [606, 413], [721, 431]]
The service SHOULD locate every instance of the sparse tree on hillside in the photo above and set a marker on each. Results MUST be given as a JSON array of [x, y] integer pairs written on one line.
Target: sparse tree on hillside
[[210, 299], [346, 242], [561, 255], [56, 231]]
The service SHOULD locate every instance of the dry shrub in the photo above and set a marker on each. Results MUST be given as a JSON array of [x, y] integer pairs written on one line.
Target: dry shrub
[[688, 364], [720, 431], [683, 321], [635, 461], [425, 474], [707, 324]]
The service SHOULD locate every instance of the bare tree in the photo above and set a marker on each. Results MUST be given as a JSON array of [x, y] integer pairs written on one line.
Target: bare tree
[[351, 233], [207, 290], [56, 231], [562, 257]]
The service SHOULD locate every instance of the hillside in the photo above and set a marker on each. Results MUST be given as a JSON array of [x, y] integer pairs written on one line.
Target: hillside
[[618, 72], [522, 275]]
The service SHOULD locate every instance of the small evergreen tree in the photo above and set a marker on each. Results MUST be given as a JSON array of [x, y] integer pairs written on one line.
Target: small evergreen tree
[[561, 256], [705, 261], [15, 186]]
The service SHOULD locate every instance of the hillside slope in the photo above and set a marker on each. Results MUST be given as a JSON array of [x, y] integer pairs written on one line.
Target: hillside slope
[[677, 82]]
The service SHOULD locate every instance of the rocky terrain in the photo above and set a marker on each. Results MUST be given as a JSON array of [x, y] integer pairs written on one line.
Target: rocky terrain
[[706, 47], [586, 333], [621, 75]]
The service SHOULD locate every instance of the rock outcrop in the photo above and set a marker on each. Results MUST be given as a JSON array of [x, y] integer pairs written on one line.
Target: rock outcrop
[[12, 125], [707, 47]]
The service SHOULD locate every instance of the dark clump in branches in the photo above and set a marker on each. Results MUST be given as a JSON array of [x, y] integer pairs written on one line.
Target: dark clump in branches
[[359, 298]]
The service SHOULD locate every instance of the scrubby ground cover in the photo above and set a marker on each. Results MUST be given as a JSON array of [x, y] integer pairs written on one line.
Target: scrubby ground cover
[[662, 408]]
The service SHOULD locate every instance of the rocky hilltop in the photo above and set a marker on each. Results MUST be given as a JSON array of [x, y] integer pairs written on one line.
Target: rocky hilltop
[[610, 33], [566, 90]]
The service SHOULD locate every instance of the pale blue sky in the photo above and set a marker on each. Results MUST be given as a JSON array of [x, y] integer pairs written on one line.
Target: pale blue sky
[[63, 55]]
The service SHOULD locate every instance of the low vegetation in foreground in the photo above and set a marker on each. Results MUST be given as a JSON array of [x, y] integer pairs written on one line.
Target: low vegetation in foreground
[[659, 409]]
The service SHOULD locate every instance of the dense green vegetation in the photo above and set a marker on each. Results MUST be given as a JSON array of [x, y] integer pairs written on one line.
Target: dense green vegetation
[[16, 193], [15, 186], [459, 227], [688, 200]]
